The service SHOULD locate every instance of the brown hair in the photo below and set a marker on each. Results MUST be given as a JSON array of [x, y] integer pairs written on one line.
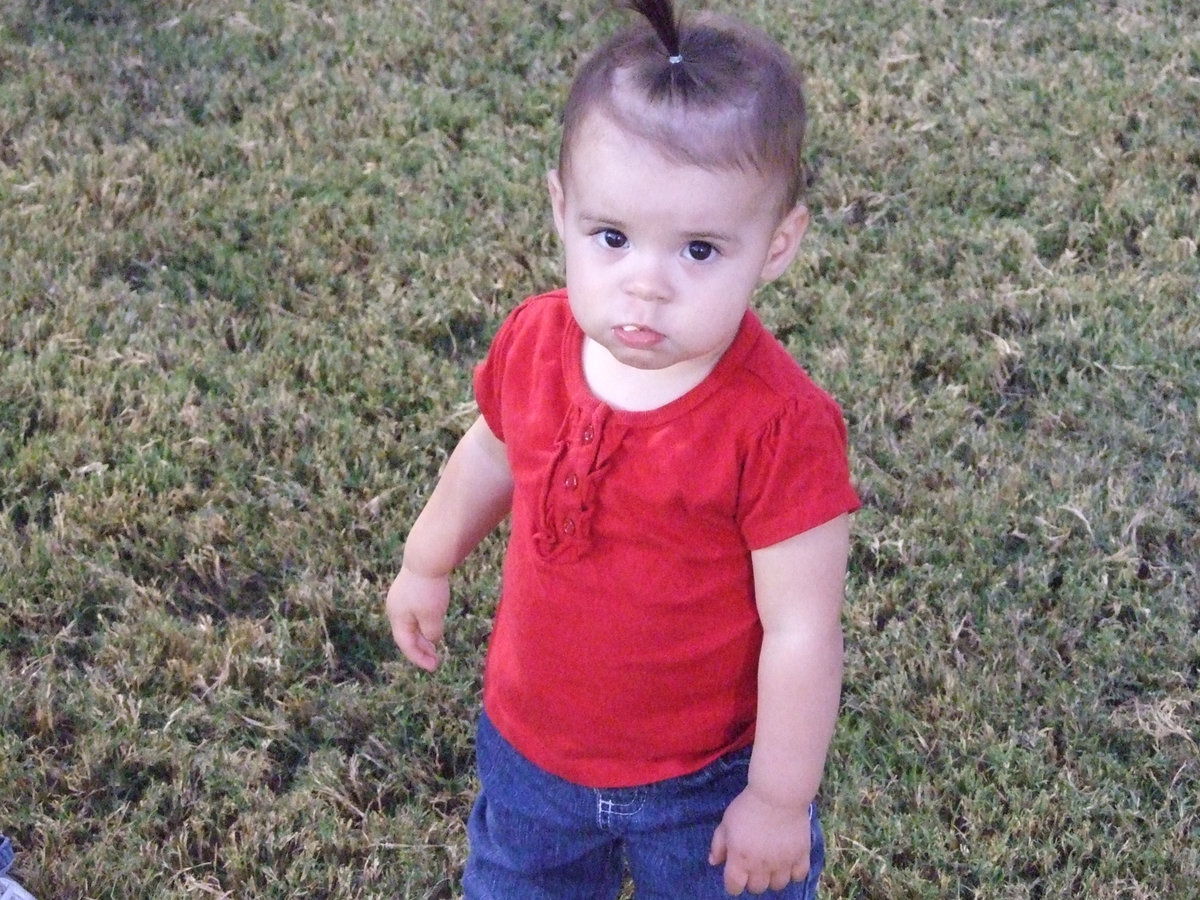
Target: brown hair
[[712, 92]]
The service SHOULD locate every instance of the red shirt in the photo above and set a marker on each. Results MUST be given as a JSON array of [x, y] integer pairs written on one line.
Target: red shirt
[[626, 640]]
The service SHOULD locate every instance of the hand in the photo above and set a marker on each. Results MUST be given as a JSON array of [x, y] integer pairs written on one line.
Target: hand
[[763, 845], [416, 606]]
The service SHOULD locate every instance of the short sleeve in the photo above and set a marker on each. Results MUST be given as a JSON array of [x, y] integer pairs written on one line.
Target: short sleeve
[[525, 352], [796, 473], [489, 377]]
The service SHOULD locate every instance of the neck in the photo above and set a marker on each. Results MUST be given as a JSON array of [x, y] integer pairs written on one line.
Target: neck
[[638, 390]]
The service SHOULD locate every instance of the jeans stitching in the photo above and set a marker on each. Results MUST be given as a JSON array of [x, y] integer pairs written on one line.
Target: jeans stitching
[[609, 811]]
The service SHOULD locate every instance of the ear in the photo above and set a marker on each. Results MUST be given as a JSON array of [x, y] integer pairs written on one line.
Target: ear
[[558, 201], [785, 243]]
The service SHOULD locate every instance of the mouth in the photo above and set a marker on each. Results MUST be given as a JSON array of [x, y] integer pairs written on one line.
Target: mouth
[[637, 336]]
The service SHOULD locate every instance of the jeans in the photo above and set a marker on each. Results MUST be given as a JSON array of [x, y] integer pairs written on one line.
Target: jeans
[[534, 836], [6, 855]]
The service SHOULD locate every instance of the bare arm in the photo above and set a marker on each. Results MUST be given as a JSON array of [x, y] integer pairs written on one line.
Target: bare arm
[[799, 583], [471, 498]]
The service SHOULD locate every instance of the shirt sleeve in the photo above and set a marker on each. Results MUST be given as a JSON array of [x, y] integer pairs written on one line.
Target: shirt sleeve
[[528, 345], [490, 374], [797, 474]]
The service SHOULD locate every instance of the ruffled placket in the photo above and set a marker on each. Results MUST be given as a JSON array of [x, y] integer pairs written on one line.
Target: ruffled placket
[[583, 454]]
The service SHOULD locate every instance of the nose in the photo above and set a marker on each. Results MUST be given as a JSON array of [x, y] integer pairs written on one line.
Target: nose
[[647, 278]]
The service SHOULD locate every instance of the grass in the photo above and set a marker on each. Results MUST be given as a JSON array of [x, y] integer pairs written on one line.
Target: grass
[[249, 253]]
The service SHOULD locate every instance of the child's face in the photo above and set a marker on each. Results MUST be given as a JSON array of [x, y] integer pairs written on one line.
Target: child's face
[[662, 257]]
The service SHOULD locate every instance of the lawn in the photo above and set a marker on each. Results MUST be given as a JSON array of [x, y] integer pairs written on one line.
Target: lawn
[[249, 254]]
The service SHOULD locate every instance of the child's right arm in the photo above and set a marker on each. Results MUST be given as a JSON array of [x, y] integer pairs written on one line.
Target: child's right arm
[[471, 498]]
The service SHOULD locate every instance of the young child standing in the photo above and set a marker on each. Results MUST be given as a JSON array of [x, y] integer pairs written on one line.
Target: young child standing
[[665, 665]]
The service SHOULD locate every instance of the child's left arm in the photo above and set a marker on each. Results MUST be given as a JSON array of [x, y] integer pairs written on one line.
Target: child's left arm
[[764, 838]]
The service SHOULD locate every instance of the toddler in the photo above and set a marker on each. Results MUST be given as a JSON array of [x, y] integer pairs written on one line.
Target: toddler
[[664, 670]]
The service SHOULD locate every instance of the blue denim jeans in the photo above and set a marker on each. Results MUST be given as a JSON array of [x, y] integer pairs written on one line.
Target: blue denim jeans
[[6, 854], [534, 836]]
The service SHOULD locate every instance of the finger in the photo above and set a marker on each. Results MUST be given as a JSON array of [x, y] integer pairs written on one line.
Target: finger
[[758, 882], [432, 626], [780, 879], [426, 654], [415, 646], [735, 878], [716, 851], [800, 871]]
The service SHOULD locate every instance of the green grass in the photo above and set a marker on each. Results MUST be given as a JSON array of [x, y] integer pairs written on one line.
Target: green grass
[[249, 253]]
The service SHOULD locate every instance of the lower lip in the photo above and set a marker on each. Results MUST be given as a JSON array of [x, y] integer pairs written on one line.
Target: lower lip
[[640, 339]]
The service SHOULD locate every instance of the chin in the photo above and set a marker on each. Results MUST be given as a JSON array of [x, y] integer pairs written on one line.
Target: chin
[[634, 360], [644, 365]]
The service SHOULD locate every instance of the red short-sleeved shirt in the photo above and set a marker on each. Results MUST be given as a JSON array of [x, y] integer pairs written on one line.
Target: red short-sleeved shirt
[[626, 641]]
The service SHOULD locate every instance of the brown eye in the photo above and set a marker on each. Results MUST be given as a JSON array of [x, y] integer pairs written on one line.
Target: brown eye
[[700, 250], [613, 238]]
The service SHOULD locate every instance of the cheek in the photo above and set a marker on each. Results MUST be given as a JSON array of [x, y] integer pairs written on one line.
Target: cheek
[[582, 298], [715, 324], [582, 265], [727, 305], [577, 274]]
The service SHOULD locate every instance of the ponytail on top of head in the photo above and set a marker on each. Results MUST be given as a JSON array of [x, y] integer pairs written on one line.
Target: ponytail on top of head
[[668, 75], [661, 16], [707, 90]]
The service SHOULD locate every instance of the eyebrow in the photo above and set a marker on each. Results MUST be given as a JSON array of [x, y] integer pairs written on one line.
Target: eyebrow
[[593, 219], [714, 237]]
